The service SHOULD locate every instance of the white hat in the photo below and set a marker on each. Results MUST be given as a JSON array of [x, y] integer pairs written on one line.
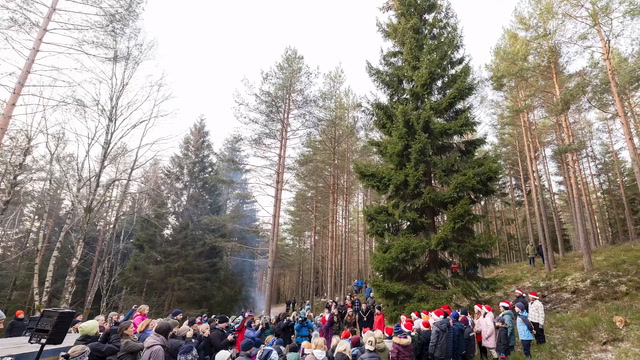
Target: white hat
[[223, 355], [2, 316]]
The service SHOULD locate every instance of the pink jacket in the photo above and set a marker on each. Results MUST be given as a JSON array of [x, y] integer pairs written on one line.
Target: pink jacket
[[488, 329], [137, 320]]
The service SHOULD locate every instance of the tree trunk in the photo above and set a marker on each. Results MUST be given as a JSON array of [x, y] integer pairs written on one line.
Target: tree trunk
[[524, 192], [622, 115], [11, 104]]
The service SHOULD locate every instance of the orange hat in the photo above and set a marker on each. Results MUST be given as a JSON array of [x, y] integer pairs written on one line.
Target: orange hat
[[19, 312]]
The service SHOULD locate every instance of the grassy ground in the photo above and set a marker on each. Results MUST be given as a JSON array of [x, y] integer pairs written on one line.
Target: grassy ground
[[580, 306]]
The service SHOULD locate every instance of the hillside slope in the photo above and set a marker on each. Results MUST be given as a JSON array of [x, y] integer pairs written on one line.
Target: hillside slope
[[580, 307]]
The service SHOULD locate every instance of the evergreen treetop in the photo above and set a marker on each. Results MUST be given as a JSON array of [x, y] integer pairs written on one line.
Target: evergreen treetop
[[431, 175]]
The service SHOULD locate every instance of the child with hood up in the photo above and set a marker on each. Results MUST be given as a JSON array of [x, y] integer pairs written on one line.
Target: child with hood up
[[502, 338]]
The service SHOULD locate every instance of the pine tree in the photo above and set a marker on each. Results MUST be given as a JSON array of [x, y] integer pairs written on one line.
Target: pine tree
[[431, 174]]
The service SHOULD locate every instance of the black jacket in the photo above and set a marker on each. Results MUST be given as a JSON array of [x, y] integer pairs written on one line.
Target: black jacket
[[539, 250], [219, 341], [16, 328], [130, 349], [341, 356], [107, 348], [470, 343], [438, 346], [459, 346], [365, 319], [523, 300], [86, 339], [284, 331], [502, 341], [423, 348], [369, 355]]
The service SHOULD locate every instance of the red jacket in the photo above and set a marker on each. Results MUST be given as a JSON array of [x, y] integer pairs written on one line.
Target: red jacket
[[241, 330], [378, 322]]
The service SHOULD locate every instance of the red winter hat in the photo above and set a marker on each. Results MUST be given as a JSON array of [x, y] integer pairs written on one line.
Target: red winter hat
[[407, 326], [488, 308], [534, 295], [415, 314], [447, 311], [19, 312], [426, 324], [403, 317], [346, 335], [365, 330], [446, 306], [505, 304], [518, 291], [425, 313], [478, 307], [438, 313], [323, 320], [388, 331]]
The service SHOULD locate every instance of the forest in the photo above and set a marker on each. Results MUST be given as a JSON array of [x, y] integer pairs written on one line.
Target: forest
[[320, 185]]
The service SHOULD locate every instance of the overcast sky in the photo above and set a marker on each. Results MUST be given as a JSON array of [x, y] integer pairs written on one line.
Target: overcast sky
[[206, 47]]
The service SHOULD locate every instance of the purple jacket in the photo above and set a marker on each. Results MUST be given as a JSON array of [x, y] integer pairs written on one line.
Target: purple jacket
[[327, 330]]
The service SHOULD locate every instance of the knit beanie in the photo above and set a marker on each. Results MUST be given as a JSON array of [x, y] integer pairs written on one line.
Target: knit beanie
[[192, 322], [2, 316], [174, 323], [188, 352], [355, 342], [378, 307], [112, 314], [221, 355], [464, 312], [398, 330], [175, 313], [183, 331], [223, 319], [464, 321], [246, 345], [520, 306], [279, 342], [89, 328], [455, 315]]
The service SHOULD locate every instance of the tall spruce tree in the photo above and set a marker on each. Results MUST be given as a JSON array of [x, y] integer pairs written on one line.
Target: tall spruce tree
[[431, 174]]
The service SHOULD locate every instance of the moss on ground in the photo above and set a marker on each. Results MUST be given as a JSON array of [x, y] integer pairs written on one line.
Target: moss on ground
[[580, 306]]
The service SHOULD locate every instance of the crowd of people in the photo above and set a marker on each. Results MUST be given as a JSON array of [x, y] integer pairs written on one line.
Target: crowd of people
[[347, 329]]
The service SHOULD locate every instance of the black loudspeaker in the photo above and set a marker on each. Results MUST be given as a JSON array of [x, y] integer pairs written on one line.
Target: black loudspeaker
[[31, 325], [52, 327]]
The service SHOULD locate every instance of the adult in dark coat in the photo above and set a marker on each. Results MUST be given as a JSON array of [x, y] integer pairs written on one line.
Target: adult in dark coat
[[520, 298], [469, 339], [540, 252], [459, 346], [365, 318], [438, 347], [175, 343], [88, 333], [219, 338], [107, 347], [356, 304], [284, 330], [17, 326], [130, 347]]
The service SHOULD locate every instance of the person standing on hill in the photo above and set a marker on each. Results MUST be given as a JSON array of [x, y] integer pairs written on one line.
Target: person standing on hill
[[509, 318], [288, 306], [520, 299], [536, 316], [356, 304], [531, 253], [525, 329], [540, 252]]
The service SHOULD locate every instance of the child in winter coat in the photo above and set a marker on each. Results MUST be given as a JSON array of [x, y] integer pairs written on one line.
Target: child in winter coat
[[469, 339], [488, 330], [525, 329], [402, 348], [502, 341]]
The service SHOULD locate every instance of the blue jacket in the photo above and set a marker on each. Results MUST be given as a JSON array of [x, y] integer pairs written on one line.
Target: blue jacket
[[368, 292], [459, 345], [252, 334], [524, 331], [303, 331]]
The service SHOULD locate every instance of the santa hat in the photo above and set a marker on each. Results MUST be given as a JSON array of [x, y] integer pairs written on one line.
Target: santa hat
[[346, 334], [446, 307], [488, 308], [505, 304], [518, 291], [438, 314], [365, 330], [447, 311], [478, 307], [388, 331], [407, 326], [415, 315], [426, 325], [403, 318], [534, 295], [424, 313]]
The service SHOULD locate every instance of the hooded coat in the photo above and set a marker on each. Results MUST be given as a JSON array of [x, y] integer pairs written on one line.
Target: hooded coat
[[154, 347], [130, 349], [423, 349], [402, 348], [470, 343], [439, 339], [488, 330], [509, 321], [303, 331], [382, 350], [317, 355], [459, 345], [502, 342], [16, 328]]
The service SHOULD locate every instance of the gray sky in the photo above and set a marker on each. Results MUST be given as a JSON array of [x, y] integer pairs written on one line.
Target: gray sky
[[206, 48]]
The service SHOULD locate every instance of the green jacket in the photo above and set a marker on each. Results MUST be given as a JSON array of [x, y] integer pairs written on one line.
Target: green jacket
[[508, 320], [531, 251]]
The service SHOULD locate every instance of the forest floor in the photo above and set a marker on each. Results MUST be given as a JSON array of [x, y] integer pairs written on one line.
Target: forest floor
[[580, 306], [277, 309]]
